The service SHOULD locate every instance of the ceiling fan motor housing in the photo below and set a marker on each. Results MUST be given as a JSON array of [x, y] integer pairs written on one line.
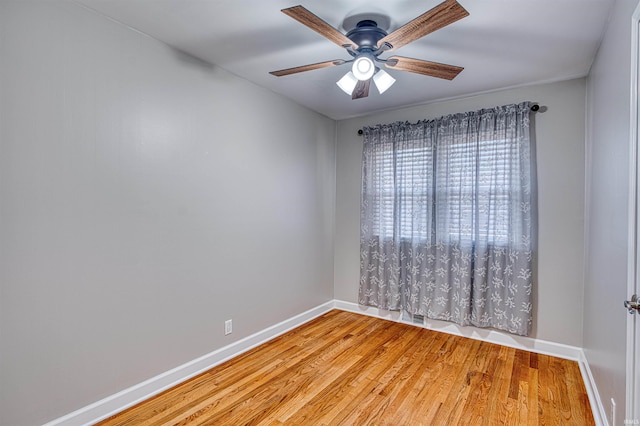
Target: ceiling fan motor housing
[[366, 35]]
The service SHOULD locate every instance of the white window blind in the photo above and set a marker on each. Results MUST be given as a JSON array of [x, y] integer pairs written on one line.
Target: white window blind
[[459, 184]]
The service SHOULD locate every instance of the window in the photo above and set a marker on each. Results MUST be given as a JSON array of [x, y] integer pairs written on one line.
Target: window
[[469, 191], [413, 187]]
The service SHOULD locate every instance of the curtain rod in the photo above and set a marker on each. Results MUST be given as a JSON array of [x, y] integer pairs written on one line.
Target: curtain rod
[[534, 108]]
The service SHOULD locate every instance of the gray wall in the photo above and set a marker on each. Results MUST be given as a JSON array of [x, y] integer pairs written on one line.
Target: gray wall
[[606, 228], [145, 197], [560, 155]]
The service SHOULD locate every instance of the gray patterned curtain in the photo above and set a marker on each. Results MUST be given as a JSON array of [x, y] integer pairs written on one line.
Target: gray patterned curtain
[[447, 218]]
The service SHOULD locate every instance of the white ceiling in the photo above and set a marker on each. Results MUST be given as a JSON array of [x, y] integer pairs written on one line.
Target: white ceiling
[[503, 43]]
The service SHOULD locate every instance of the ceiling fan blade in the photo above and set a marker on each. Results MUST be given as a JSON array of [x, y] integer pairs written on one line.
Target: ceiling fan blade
[[309, 67], [361, 90], [440, 16], [418, 66], [302, 15]]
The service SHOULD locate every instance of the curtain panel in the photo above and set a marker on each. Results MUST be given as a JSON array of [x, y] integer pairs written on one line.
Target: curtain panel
[[448, 218]]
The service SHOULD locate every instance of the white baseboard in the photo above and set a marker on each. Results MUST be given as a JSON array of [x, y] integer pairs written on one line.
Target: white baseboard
[[519, 342], [599, 413], [113, 404], [486, 335]]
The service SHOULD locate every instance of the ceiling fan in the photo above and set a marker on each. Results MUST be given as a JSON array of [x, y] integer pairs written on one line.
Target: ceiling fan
[[367, 41]]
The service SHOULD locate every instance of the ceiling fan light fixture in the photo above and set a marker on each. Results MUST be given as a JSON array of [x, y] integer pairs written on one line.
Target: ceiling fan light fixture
[[347, 83], [383, 81], [363, 68]]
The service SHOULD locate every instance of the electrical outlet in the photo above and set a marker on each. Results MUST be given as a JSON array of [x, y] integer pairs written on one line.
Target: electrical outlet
[[613, 412], [228, 327]]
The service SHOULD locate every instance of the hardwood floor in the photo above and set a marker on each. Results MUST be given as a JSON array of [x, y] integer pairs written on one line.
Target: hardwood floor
[[349, 369]]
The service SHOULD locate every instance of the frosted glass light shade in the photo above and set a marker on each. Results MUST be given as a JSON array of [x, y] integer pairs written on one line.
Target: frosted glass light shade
[[383, 81], [363, 68], [347, 83]]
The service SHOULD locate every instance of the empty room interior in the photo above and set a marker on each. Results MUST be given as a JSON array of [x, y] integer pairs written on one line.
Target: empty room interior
[[338, 212]]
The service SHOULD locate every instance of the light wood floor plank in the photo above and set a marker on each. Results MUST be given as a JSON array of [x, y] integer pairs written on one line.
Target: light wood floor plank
[[349, 369]]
